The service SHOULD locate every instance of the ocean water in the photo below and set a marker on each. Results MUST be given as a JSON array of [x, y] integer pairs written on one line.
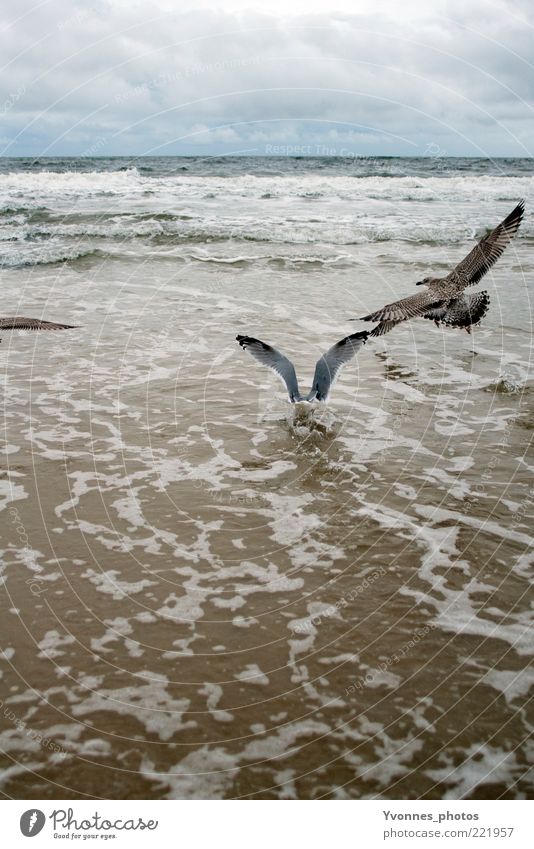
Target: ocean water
[[208, 593]]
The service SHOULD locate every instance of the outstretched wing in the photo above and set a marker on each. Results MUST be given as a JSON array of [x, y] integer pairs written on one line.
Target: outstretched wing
[[269, 356], [329, 364], [478, 261], [19, 322], [463, 311], [382, 328], [410, 307]]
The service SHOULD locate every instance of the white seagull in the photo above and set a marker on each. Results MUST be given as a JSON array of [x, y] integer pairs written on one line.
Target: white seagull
[[326, 368]]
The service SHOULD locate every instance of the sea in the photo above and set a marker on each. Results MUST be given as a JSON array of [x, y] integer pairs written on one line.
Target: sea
[[209, 593]]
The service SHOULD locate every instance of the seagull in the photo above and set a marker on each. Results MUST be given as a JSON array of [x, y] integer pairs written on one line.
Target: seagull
[[19, 322], [445, 301], [326, 368]]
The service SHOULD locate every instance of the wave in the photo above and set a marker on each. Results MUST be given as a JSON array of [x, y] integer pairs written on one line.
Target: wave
[[310, 186], [46, 255], [277, 251], [67, 182], [167, 229], [277, 261]]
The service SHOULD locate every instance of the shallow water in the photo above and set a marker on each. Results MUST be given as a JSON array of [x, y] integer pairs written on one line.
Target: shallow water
[[210, 594]]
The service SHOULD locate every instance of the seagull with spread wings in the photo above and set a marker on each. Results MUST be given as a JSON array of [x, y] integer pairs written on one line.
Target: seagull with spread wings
[[444, 300], [326, 368], [19, 322]]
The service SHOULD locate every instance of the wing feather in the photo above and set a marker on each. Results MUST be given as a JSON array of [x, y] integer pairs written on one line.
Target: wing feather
[[463, 311], [383, 328], [486, 253], [275, 360], [410, 307], [329, 365], [19, 322]]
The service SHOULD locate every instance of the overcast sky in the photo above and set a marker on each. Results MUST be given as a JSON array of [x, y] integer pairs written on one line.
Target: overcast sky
[[103, 77]]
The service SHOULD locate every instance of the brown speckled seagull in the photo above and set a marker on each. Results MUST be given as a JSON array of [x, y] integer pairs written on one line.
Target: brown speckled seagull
[[444, 300], [20, 322]]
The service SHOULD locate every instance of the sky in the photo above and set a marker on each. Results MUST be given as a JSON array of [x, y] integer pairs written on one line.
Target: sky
[[301, 77]]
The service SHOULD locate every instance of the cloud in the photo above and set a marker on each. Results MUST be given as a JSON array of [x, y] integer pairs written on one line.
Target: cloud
[[145, 79]]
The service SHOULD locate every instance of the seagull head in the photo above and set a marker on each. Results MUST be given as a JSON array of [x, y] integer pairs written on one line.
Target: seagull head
[[424, 282]]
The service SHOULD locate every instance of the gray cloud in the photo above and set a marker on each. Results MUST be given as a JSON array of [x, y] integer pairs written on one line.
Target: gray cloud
[[99, 79]]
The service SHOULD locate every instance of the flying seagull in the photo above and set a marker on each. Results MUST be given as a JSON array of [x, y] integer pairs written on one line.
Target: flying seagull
[[19, 322], [326, 368], [445, 301]]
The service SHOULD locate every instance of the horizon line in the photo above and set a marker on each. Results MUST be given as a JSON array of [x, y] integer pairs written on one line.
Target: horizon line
[[354, 157]]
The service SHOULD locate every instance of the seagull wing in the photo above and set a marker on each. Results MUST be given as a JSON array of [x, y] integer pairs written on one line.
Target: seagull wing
[[19, 322], [410, 307], [478, 261], [383, 327], [329, 364], [438, 312], [269, 356]]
